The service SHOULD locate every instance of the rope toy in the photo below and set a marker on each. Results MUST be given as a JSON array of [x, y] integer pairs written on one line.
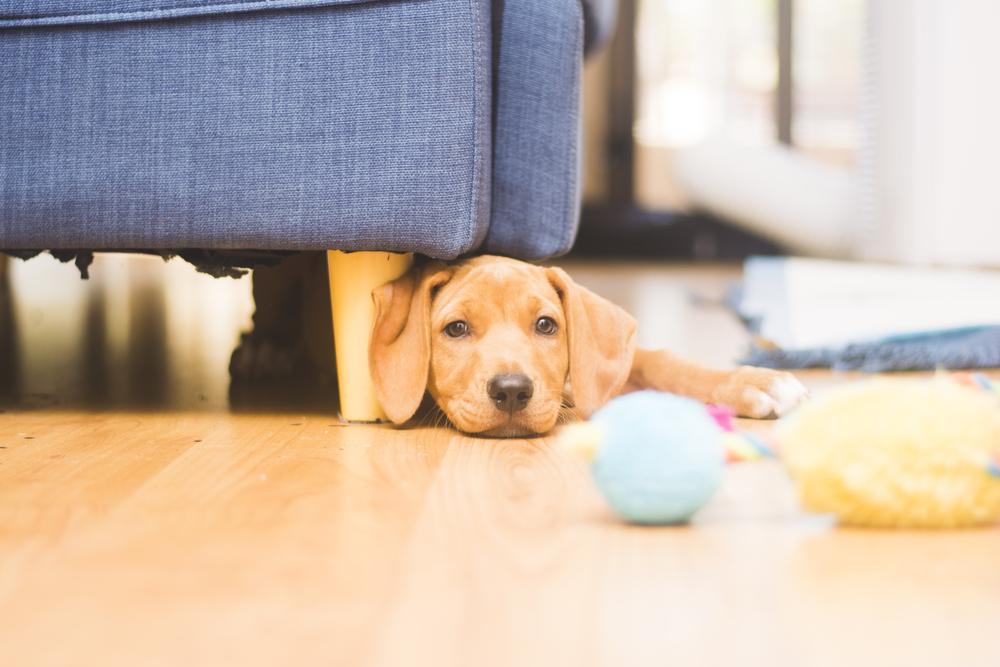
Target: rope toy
[[902, 453]]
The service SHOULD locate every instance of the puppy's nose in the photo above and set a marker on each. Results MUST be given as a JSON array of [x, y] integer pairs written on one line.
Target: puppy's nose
[[510, 391]]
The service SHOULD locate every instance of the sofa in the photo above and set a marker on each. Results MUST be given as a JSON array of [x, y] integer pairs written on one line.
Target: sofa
[[227, 131]]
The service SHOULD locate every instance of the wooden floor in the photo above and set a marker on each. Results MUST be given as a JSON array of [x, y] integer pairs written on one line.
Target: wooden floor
[[151, 516]]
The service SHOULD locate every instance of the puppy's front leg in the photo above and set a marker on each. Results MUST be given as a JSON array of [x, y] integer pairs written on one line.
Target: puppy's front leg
[[760, 393]]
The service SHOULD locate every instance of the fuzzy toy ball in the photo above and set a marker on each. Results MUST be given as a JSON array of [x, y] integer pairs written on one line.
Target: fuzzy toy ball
[[898, 453], [656, 457]]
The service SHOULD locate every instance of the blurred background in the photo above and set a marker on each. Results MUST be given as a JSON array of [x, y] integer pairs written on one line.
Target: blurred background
[[847, 129]]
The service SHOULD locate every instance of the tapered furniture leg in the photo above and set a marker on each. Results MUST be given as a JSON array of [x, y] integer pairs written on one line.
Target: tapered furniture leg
[[353, 276]]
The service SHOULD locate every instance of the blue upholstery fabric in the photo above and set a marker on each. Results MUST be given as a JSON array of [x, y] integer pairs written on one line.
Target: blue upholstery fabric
[[958, 349], [353, 126], [536, 164]]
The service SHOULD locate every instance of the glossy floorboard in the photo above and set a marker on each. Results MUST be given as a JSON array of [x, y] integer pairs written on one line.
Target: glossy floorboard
[[152, 515]]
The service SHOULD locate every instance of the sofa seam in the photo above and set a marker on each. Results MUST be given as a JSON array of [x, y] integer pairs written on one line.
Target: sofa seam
[[573, 193], [172, 13], [477, 153]]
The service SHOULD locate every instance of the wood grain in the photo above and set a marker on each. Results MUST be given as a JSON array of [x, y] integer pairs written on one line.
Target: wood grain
[[177, 530]]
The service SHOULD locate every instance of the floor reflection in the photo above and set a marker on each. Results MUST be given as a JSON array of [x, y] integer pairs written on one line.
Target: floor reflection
[[509, 540]]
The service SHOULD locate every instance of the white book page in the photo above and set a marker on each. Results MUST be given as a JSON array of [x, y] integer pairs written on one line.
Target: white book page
[[831, 304]]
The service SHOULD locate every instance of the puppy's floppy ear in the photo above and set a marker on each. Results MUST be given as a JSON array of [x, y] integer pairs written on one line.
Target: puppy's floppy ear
[[399, 350], [601, 339]]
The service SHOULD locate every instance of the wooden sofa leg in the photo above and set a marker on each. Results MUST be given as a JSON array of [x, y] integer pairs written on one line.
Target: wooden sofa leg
[[353, 276]]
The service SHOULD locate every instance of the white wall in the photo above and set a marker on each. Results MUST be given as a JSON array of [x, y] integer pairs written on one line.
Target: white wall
[[930, 162]]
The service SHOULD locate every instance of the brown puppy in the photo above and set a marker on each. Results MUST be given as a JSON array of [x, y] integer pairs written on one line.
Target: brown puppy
[[496, 341]]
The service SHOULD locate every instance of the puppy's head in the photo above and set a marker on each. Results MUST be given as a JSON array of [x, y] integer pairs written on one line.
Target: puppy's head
[[494, 341]]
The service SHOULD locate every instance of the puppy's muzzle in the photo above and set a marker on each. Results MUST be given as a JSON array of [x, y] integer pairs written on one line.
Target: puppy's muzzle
[[510, 392]]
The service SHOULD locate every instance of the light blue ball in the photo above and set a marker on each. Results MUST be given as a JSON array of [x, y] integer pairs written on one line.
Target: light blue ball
[[661, 458]]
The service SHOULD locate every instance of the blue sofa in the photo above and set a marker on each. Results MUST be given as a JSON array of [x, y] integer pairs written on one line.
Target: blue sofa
[[434, 126]]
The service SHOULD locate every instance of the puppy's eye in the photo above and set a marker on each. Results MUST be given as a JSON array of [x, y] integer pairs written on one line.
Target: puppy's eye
[[457, 329], [546, 326]]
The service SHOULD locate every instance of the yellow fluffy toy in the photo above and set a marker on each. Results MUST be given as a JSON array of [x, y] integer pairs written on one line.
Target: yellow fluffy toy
[[899, 453]]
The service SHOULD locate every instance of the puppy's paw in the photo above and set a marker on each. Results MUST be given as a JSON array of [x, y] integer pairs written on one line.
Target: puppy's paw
[[262, 359], [762, 393]]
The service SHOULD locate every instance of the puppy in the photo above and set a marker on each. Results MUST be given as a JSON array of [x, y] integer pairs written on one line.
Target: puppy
[[502, 346], [499, 344]]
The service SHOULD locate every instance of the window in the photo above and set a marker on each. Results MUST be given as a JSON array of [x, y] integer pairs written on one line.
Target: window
[[707, 66]]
